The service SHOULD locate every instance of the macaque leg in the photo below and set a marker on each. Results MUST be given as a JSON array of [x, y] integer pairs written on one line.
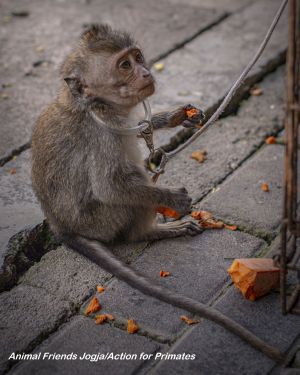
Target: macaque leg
[[172, 230]]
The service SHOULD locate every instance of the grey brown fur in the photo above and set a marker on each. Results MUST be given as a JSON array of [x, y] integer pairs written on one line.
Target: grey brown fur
[[89, 181]]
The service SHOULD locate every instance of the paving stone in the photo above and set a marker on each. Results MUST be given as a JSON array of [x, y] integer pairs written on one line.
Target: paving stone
[[18, 205], [202, 72], [70, 276], [27, 315], [229, 141], [42, 43], [226, 5], [241, 200], [198, 269], [81, 336], [219, 352]]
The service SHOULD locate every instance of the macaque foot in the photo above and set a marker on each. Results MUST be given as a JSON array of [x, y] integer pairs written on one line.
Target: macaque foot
[[173, 229]]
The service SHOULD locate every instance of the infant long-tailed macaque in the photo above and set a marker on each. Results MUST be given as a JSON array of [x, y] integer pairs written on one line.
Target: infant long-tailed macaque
[[91, 181]]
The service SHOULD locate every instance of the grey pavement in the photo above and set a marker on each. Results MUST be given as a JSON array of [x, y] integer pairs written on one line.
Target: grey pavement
[[203, 45], [247, 204]]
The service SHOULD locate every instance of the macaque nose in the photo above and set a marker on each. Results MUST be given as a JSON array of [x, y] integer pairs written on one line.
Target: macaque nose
[[146, 73]]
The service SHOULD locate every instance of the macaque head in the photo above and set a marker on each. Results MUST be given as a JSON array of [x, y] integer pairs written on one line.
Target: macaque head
[[109, 68]]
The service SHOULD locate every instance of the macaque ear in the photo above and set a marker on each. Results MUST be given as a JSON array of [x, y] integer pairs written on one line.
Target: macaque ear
[[75, 86]]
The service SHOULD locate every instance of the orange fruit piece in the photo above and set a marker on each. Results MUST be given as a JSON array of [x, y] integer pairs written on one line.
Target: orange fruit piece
[[265, 187], [166, 211], [191, 112], [254, 277], [188, 321], [270, 140], [132, 327], [164, 273], [93, 306], [100, 289]]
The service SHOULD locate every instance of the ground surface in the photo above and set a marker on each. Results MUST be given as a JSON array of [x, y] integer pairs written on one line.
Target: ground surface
[[45, 287]]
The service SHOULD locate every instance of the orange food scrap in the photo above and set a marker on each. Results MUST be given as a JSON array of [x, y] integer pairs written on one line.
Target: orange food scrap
[[230, 227], [207, 221], [265, 187], [256, 91], [93, 306], [201, 215], [270, 140], [166, 211], [192, 112], [132, 327], [200, 156], [12, 171], [188, 321], [254, 277], [212, 224], [100, 289], [102, 318], [164, 273]]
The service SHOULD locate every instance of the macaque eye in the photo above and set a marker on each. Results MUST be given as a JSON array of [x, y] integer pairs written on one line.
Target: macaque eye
[[125, 64], [139, 58]]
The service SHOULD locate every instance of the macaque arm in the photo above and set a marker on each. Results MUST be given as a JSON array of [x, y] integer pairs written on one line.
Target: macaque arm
[[176, 118], [131, 187]]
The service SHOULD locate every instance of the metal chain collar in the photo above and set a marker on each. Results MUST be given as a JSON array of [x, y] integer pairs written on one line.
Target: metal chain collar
[[144, 130]]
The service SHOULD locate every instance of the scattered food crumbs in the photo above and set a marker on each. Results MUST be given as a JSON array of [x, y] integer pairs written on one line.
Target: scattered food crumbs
[[200, 156], [100, 289], [168, 212], [12, 171], [230, 227], [164, 273], [270, 140], [207, 221], [188, 321], [192, 112], [201, 215], [132, 327], [254, 277], [159, 66], [265, 187], [102, 318], [93, 306], [256, 91], [40, 49], [212, 224]]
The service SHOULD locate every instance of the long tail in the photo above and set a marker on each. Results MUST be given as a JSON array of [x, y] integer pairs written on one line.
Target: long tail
[[102, 256]]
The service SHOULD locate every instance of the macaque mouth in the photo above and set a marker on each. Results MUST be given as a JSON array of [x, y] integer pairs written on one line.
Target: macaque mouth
[[150, 84]]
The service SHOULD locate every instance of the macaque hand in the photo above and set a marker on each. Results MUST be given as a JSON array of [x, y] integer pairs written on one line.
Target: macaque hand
[[193, 116]]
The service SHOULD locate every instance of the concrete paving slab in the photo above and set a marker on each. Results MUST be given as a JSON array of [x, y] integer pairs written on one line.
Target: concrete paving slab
[[219, 352], [198, 269], [226, 5], [241, 200], [230, 140], [18, 205], [66, 274], [81, 336], [33, 47], [70, 276], [27, 315], [202, 72]]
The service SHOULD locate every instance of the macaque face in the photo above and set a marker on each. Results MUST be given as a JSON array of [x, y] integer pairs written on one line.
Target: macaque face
[[121, 78]]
